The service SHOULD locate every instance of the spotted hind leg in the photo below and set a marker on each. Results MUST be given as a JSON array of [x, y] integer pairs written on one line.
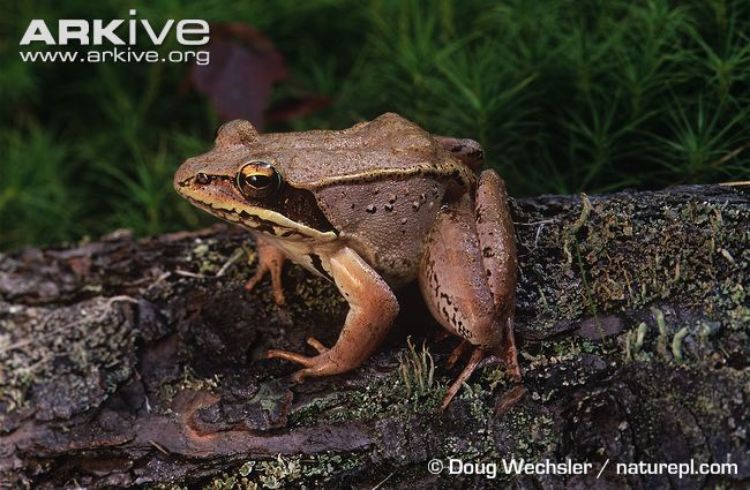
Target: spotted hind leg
[[468, 276]]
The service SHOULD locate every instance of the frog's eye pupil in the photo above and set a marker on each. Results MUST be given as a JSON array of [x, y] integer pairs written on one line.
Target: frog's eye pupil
[[258, 179]]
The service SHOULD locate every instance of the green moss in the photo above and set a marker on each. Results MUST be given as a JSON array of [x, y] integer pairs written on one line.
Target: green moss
[[313, 293], [615, 255], [84, 349], [417, 370], [188, 380], [382, 397], [286, 472]]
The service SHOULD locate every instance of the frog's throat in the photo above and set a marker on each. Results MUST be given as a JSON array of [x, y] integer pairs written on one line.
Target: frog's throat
[[261, 220]]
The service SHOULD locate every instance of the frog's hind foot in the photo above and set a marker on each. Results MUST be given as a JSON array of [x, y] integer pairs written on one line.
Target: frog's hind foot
[[319, 365], [457, 353], [506, 357], [507, 354], [471, 366]]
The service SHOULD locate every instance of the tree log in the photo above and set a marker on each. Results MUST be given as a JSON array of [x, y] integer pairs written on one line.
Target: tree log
[[129, 362]]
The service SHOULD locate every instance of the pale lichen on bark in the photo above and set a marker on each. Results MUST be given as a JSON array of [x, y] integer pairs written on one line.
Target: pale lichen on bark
[[128, 362]]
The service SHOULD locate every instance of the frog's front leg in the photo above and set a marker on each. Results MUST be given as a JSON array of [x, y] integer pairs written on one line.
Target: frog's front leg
[[468, 276], [270, 260], [372, 309]]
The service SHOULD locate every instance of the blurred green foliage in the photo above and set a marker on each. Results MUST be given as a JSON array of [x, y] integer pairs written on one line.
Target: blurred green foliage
[[565, 96]]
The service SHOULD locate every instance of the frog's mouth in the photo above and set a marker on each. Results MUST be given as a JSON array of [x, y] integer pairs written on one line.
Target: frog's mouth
[[289, 216]]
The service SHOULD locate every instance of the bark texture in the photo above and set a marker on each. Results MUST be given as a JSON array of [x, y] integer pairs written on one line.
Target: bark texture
[[130, 362]]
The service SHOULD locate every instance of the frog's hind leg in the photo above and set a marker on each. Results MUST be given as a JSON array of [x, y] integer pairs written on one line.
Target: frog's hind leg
[[468, 276], [270, 260], [497, 240]]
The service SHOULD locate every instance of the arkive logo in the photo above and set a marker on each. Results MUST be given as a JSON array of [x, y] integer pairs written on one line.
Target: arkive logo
[[117, 32]]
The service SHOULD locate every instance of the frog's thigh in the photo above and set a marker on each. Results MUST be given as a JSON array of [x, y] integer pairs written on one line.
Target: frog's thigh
[[497, 241], [468, 276], [453, 280]]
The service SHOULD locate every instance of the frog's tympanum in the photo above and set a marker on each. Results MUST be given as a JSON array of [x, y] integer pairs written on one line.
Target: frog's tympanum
[[371, 208]]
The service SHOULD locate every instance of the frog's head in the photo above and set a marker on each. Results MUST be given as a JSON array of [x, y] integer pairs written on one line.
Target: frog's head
[[242, 180], [294, 185]]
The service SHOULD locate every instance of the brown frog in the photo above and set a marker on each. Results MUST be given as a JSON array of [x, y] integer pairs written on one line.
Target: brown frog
[[371, 208]]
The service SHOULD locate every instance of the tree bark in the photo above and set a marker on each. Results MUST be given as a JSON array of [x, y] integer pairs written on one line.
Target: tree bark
[[132, 362]]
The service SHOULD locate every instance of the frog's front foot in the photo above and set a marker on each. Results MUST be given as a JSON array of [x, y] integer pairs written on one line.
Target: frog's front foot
[[324, 364], [321, 365], [270, 260]]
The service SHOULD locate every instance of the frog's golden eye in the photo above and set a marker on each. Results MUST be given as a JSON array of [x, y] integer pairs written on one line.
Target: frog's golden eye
[[258, 179]]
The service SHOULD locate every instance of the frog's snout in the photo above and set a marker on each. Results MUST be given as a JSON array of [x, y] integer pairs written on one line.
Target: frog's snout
[[180, 176], [188, 169]]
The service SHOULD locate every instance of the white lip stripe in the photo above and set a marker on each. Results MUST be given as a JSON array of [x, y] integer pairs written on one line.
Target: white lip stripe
[[282, 221]]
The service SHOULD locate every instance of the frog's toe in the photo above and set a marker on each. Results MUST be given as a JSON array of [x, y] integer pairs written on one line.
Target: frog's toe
[[453, 389], [321, 365], [458, 351], [299, 376], [276, 286], [317, 345], [278, 297], [290, 356], [253, 281]]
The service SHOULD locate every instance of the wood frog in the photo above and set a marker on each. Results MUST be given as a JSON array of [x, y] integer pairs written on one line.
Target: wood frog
[[371, 208]]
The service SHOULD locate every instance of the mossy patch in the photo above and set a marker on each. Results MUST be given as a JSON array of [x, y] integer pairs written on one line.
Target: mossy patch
[[300, 471], [380, 397], [67, 359], [616, 254]]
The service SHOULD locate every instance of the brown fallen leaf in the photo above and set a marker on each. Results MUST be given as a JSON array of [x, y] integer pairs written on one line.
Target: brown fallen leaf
[[240, 76], [291, 108]]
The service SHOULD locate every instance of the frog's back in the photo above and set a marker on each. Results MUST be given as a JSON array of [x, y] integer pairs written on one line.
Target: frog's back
[[391, 178], [387, 145]]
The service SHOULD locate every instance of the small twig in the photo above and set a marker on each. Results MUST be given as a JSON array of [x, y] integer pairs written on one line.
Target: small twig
[[534, 223], [739, 183], [537, 234], [234, 258], [383, 481], [163, 277], [122, 297], [181, 272], [158, 446]]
